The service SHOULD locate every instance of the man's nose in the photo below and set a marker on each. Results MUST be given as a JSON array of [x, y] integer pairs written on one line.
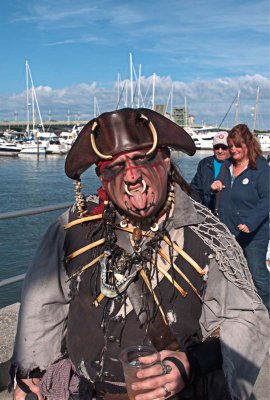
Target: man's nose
[[132, 173]]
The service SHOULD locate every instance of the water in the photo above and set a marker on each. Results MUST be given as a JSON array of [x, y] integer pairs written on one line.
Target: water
[[28, 182]]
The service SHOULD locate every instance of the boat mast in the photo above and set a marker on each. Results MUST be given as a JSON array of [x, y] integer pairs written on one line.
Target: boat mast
[[256, 110], [96, 108], [185, 114], [118, 89], [172, 103], [131, 79], [27, 101], [236, 108], [139, 85], [35, 101], [153, 94]]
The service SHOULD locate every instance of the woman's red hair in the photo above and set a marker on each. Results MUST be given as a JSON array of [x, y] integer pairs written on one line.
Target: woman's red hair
[[240, 134]]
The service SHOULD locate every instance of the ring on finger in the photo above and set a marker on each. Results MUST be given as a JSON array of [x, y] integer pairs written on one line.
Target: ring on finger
[[167, 391], [166, 369]]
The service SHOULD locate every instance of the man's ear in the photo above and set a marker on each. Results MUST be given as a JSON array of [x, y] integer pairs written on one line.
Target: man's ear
[[167, 161], [102, 181], [166, 154]]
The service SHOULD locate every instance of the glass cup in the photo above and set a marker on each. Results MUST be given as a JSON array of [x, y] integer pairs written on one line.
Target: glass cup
[[129, 358]]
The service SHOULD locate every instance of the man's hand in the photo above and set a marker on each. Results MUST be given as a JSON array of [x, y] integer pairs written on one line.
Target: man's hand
[[243, 228], [161, 386], [33, 385]]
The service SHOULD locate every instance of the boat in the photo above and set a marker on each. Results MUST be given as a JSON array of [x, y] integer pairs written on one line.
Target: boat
[[32, 148], [52, 143], [203, 137], [31, 143], [264, 141], [69, 136], [9, 149]]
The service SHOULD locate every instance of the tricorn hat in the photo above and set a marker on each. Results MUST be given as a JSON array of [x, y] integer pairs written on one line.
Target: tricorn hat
[[124, 130]]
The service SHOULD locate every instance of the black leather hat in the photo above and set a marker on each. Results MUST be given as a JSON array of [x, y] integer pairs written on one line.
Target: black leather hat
[[124, 130]]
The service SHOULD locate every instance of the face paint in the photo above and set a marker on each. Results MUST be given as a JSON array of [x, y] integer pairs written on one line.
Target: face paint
[[136, 182]]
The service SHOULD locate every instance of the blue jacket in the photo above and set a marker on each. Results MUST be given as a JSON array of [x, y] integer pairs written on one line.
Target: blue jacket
[[246, 201], [202, 181]]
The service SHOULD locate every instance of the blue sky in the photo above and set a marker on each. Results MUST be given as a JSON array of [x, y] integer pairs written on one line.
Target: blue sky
[[208, 49]]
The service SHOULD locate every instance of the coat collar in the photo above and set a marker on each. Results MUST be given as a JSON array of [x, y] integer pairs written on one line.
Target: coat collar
[[185, 213]]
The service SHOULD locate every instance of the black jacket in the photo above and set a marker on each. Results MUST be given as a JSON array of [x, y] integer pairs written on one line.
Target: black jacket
[[202, 181]]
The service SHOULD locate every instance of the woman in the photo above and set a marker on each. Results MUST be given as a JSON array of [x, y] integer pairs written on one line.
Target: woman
[[244, 202]]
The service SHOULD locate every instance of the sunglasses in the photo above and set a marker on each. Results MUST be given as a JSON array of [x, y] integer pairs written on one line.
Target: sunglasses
[[220, 146]]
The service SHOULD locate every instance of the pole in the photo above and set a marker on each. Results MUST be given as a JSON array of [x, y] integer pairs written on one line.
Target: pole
[[256, 110], [154, 88]]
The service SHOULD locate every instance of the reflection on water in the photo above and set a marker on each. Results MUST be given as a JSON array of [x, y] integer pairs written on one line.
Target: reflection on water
[[28, 182]]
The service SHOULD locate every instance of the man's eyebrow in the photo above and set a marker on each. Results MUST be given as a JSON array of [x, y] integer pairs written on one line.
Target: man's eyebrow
[[115, 163]]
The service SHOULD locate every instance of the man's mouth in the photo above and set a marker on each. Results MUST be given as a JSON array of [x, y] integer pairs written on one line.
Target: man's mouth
[[137, 196], [134, 190]]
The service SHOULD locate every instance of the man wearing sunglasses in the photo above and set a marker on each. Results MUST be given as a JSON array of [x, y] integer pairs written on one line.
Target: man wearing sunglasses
[[209, 168]]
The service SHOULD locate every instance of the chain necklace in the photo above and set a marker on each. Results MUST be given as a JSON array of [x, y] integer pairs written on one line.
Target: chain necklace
[[241, 163]]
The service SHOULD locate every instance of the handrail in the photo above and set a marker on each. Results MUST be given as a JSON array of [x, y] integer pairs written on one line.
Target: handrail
[[13, 279], [23, 213], [33, 211]]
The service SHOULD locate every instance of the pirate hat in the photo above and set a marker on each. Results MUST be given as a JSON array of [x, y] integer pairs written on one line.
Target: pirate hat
[[124, 130]]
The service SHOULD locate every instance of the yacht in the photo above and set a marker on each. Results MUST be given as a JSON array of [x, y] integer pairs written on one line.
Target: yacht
[[52, 143], [203, 137], [8, 149], [69, 136], [264, 141]]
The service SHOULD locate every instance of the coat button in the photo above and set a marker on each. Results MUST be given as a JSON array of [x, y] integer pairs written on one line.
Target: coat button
[[112, 338]]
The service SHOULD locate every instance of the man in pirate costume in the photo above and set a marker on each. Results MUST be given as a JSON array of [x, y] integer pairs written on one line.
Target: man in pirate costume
[[141, 263]]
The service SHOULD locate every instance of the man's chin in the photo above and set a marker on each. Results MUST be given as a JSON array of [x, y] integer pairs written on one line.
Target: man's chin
[[134, 213]]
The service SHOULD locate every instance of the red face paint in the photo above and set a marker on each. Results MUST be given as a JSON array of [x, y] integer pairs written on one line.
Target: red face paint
[[136, 182]]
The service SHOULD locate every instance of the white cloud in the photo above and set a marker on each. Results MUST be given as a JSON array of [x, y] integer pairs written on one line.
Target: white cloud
[[208, 100]]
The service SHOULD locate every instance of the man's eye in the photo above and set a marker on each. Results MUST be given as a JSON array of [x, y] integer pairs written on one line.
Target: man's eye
[[114, 168], [142, 159]]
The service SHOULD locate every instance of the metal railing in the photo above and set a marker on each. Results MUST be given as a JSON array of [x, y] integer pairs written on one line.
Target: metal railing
[[24, 213]]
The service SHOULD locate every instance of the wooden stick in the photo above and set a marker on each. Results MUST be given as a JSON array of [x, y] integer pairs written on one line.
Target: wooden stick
[[98, 299], [88, 265], [175, 284], [81, 220], [183, 254], [144, 277], [165, 256], [84, 249]]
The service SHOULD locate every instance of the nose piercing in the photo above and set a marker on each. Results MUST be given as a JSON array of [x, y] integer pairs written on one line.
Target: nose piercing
[[142, 191]]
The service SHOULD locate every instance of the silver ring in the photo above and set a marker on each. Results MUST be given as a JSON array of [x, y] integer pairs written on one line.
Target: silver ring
[[166, 369], [167, 391]]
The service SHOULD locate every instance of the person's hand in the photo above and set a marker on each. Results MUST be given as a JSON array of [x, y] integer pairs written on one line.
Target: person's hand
[[33, 385], [217, 186], [161, 386], [243, 228]]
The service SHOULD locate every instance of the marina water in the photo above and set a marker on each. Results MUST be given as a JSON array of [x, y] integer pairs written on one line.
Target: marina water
[[31, 181]]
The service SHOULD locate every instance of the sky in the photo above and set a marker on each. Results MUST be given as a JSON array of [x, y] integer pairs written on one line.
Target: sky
[[79, 57]]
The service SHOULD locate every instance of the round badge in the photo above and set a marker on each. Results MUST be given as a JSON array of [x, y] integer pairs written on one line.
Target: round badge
[[245, 181]]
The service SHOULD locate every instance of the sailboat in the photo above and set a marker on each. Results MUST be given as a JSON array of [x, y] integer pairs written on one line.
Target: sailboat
[[263, 139], [31, 144]]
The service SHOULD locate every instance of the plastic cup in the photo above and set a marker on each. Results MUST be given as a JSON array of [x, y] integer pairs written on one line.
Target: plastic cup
[[129, 358]]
